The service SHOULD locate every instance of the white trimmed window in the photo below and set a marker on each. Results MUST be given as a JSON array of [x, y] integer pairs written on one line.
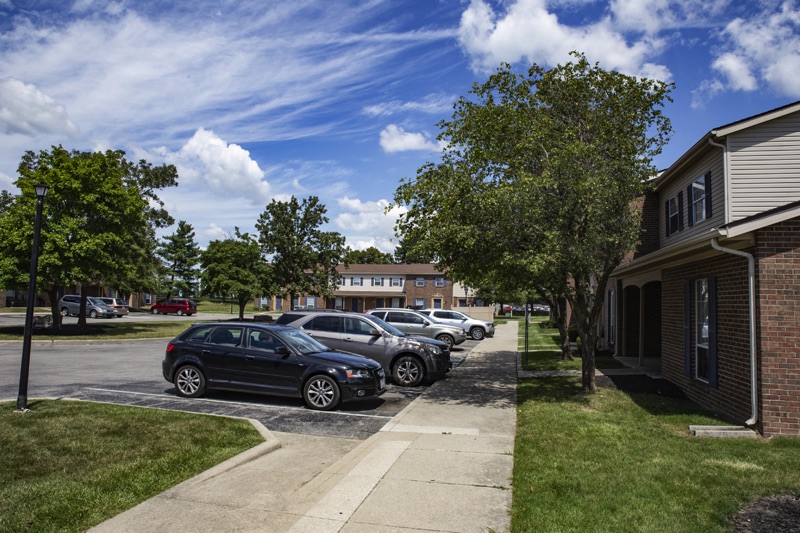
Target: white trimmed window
[[356, 282], [419, 282], [439, 282], [419, 302], [377, 282], [396, 282]]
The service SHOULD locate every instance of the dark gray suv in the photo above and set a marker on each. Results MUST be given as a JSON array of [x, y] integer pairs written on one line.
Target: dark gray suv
[[409, 360]]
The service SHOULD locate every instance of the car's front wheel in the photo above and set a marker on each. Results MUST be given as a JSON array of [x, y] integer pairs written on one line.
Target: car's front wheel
[[321, 393], [189, 382], [179, 312], [93, 313], [408, 371], [477, 333], [447, 339], [64, 311]]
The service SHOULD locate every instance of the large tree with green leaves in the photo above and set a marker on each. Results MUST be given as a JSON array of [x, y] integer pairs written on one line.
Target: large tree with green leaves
[[180, 254], [370, 256], [234, 267], [303, 257], [98, 225], [537, 185]]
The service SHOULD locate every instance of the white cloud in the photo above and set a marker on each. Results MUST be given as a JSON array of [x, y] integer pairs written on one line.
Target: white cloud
[[26, 110], [214, 233], [208, 161], [654, 16], [763, 48], [431, 104], [368, 224], [736, 71], [396, 139], [707, 90], [528, 31]]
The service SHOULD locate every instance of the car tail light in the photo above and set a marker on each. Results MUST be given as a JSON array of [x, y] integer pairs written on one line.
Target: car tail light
[[170, 346]]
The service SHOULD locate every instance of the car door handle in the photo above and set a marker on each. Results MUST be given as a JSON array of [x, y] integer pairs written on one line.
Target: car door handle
[[249, 357], [205, 352]]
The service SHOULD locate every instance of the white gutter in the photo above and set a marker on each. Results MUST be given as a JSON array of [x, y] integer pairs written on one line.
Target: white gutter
[[751, 285]]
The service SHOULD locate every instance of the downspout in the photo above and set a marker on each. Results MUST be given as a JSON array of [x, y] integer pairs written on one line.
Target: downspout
[[751, 285]]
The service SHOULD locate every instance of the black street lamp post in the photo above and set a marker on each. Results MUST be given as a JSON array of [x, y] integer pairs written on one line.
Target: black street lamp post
[[22, 398]]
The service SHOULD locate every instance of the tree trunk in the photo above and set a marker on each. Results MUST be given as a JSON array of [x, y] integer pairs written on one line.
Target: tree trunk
[[561, 315], [82, 308], [52, 294]]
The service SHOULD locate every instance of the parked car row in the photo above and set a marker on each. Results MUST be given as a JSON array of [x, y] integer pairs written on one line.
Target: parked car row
[[102, 307], [70, 304], [477, 329], [325, 357]]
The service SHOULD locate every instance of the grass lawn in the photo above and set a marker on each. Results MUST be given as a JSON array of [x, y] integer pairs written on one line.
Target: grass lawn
[[103, 330], [543, 352], [617, 461], [67, 466]]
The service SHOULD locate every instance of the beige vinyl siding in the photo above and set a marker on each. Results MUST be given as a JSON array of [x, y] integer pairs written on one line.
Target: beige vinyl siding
[[711, 161], [764, 166]]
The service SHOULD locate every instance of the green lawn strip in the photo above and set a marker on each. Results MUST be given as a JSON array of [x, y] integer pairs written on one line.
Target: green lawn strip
[[618, 462], [100, 330], [67, 466], [544, 352]]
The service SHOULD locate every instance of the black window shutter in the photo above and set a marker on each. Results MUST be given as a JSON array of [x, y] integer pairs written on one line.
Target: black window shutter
[[708, 194], [690, 202], [680, 211], [687, 328], [666, 215], [712, 332]]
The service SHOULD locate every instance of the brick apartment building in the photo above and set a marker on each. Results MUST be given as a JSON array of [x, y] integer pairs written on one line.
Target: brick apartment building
[[712, 294]]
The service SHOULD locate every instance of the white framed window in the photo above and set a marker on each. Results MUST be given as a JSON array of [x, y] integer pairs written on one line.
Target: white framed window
[[419, 282], [698, 200], [673, 215], [356, 282], [396, 282], [439, 282], [419, 302], [701, 329], [377, 282]]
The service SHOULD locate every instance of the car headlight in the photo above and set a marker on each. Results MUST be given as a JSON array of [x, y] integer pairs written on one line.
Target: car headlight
[[357, 373], [435, 350]]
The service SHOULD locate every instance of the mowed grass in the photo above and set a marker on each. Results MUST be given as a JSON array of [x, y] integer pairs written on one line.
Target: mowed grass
[[100, 330], [543, 349], [67, 466], [620, 462]]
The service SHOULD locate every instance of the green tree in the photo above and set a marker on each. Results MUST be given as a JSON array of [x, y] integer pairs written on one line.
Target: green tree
[[538, 184], [234, 267], [304, 258], [370, 256], [98, 225], [180, 255]]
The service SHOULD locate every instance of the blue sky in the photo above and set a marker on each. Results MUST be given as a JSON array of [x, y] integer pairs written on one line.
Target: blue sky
[[261, 99]]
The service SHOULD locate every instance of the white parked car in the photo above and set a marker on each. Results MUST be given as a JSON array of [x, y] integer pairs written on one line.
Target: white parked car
[[477, 329]]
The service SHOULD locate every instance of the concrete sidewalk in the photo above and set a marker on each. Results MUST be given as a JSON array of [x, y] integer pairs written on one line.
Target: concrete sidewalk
[[444, 463]]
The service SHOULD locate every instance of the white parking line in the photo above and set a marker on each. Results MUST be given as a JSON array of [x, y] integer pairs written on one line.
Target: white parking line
[[244, 404]]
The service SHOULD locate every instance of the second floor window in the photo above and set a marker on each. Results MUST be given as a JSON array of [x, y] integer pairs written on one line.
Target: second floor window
[[396, 282], [698, 200], [674, 214], [439, 282], [377, 282], [356, 281], [419, 282]]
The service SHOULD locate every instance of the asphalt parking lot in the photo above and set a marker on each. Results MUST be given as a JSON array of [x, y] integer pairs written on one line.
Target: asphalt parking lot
[[129, 373]]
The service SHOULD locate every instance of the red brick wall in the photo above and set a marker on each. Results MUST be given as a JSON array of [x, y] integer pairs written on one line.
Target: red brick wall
[[650, 236], [732, 396], [778, 253]]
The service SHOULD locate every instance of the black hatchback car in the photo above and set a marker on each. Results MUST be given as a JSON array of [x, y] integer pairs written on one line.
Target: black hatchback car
[[266, 359]]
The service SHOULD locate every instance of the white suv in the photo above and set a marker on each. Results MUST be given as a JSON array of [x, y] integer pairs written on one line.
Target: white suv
[[477, 329]]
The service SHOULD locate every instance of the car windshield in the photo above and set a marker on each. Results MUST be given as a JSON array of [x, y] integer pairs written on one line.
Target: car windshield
[[386, 326], [96, 301], [302, 342]]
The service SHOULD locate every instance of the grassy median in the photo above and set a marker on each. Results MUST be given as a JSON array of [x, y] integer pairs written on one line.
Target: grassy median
[[67, 465]]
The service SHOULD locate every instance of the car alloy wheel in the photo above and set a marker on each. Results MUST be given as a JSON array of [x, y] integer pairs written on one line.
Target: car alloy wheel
[[321, 393], [408, 371], [447, 339], [477, 333], [190, 382]]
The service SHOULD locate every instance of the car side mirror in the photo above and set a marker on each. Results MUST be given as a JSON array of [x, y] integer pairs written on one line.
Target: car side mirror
[[282, 350], [374, 332]]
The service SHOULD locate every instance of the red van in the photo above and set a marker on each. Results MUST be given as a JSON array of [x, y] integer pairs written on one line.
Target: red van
[[179, 306]]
